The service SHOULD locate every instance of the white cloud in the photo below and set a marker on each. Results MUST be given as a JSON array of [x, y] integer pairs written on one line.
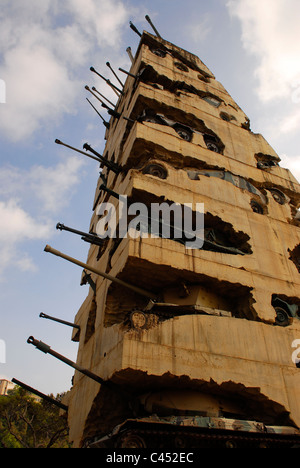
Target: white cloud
[[30, 198], [270, 31], [291, 122], [38, 89], [100, 20], [17, 226], [199, 30], [45, 48], [47, 189], [57, 184]]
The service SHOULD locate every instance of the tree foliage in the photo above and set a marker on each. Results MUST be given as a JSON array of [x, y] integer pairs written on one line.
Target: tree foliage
[[27, 423]]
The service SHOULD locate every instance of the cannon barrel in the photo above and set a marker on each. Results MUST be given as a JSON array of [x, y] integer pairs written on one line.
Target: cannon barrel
[[136, 289], [152, 26], [128, 73], [102, 95], [59, 142], [103, 104], [47, 350], [133, 402], [114, 73], [41, 395], [87, 237], [108, 190], [113, 166], [115, 114], [114, 87], [106, 124], [128, 50], [99, 158], [90, 91], [69, 324], [112, 112]]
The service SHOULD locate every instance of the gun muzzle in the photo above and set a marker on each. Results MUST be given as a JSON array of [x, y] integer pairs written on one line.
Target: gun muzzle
[[134, 29], [87, 237], [152, 26], [90, 91], [128, 73], [114, 88], [128, 50], [97, 97], [85, 266], [115, 114], [113, 166], [58, 142], [133, 402], [114, 73], [47, 350], [96, 91], [111, 192], [111, 112], [106, 124], [41, 395], [99, 158]]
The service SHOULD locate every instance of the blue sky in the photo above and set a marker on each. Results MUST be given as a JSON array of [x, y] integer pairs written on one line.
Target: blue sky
[[47, 48]]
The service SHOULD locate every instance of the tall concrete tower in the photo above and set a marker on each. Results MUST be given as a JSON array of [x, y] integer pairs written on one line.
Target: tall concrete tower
[[196, 346]]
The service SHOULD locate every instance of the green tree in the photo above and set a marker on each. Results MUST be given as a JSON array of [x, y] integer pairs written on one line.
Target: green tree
[[27, 423]]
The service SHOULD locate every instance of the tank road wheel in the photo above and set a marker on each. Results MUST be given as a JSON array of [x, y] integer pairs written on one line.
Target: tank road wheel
[[256, 207], [231, 444], [184, 133], [130, 440], [156, 170], [180, 442], [278, 196]]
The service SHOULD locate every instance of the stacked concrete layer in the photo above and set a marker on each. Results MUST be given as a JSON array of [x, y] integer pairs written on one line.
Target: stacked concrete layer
[[232, 346]]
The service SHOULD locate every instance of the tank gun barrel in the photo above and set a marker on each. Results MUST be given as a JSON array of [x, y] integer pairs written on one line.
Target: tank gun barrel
[[87, 237], [59, 142], [47, 350], [106, 124], [41, 395], [152, 26], [114, 87], [114, 73], [111, 385], [69, 324], [128, 50], [108, 190], [113, 166], [132, 26], [102, 95]]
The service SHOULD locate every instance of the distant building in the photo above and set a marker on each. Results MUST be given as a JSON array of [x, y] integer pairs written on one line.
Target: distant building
[[5, 386]]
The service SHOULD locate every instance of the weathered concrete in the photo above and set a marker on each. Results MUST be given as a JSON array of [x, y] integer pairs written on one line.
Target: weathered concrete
[[229, 345]]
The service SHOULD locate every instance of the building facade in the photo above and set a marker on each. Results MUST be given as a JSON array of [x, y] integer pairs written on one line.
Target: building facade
[[195, 345]]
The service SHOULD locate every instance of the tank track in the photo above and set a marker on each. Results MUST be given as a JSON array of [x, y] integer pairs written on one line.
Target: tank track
[[142, 438], [157, 437]]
